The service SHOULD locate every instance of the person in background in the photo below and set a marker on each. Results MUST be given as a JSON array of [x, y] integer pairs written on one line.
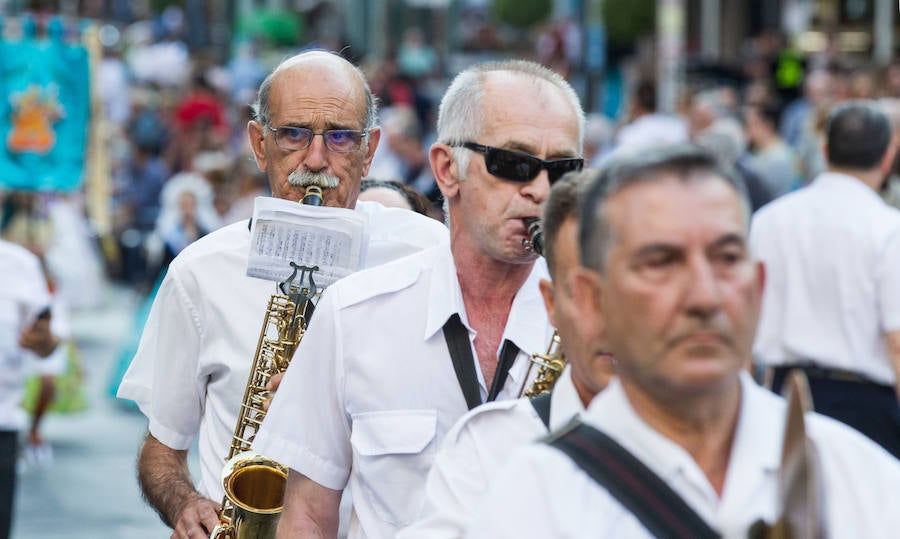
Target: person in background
[[393, 194], [24, 329], [771, 158], [832, 256]]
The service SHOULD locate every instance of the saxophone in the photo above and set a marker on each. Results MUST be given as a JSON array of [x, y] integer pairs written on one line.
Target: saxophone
[[552, 362], [254, 484]]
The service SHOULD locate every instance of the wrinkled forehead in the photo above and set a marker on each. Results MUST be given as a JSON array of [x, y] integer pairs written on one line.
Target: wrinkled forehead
[[671, 208], [319, 77], [521, 105]]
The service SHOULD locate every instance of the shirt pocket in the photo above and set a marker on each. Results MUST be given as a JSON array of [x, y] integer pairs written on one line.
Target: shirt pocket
[[393, 451]]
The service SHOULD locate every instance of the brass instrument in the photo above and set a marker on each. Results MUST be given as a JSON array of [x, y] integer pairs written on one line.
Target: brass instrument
[[254, 485], [552, 362]]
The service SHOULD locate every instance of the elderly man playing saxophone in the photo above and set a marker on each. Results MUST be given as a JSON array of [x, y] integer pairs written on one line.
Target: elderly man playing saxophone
[[314, 124]]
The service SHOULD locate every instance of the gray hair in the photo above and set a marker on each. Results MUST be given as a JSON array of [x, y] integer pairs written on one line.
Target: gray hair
[[261, 105], [460, 116], [560, 206], [685, 161]]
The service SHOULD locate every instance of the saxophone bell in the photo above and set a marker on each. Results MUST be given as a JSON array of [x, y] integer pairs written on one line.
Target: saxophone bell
[[254, 484]]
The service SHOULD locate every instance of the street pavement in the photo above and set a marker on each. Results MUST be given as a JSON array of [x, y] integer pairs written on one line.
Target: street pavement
[[89, 489]]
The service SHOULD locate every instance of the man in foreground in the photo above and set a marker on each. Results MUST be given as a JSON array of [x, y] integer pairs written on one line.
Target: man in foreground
[[669, 279]]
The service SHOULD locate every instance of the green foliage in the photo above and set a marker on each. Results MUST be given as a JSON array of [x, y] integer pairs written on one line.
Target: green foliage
[[521, 13], [628, 20]]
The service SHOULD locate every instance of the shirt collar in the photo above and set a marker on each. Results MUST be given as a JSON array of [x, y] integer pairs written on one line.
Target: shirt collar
[[845, 183], [527, 324], [564, 401], [756, 448], [444, 294]]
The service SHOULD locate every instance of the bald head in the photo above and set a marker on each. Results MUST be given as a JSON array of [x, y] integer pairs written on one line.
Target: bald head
[[314, 92], [323, 62]]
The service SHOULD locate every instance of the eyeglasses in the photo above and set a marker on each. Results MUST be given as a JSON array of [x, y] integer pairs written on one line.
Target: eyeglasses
[[292, 138], [520, 167]]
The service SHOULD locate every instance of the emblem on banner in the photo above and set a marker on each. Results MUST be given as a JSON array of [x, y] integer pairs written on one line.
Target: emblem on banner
[[34, 111]]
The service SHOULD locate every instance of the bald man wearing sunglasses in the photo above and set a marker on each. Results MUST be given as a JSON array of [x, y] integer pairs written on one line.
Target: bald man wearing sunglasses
[[395, 355]]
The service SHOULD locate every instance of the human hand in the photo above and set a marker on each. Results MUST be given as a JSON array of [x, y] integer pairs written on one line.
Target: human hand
[[38, 338], [271, 388], [34, 437], [197, 519]]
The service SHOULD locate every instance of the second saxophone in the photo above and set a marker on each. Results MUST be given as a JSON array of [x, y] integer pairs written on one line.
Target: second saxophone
[[552, 362]]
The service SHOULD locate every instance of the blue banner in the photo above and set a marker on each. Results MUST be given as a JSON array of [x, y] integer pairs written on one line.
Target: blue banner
[[44, 112]]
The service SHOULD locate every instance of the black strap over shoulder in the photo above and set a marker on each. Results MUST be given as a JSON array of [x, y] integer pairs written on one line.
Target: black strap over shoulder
[[460, 349], [463, 362], [641, 491], [541, 405], [508, 353]]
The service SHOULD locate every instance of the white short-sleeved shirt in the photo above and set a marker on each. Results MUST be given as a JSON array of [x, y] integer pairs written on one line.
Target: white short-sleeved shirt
[[860, 478], [194, 358], [23, 294], [832, 257], [372, 390], [475, 449]]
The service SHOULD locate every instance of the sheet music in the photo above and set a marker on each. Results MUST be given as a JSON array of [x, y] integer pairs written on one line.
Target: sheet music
[[285, 231]]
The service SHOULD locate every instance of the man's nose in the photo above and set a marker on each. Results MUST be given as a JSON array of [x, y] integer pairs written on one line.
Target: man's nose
[[538, 188], [316, 157], [702, 294]]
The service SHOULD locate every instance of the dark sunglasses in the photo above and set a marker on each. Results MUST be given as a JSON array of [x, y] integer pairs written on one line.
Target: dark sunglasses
[[520, 167]]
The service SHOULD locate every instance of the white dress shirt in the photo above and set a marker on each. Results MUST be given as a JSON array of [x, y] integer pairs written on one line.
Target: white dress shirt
[[832, 257], [23, 294], [194, 358], [372, 390], [543, 493], [474, 451]]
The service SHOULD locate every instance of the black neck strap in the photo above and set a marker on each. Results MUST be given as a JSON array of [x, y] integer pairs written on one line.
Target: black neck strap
[[659, 508], [457, 337]]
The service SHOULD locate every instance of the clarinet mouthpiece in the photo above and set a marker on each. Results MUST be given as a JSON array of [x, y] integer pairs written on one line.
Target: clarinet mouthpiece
[[535, 241], [313, 196]]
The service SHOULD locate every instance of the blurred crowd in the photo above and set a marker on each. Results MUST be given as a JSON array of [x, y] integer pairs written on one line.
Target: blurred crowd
[[181, 165]]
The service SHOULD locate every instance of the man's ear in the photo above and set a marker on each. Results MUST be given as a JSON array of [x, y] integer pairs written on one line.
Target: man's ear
[[887, 161], [256, 134], [446, 173], [761, 275], [587, 295], [547, 293], [372, 140]]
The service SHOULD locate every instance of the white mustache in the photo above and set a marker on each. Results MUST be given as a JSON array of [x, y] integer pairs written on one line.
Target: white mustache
[[307, 178]]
